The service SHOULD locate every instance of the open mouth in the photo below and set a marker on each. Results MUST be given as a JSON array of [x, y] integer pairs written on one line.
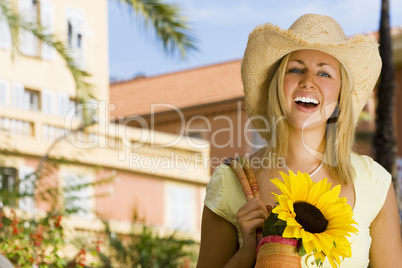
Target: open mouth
[[306, 102]]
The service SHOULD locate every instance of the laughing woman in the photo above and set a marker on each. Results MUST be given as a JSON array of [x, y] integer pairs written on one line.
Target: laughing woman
[[304, 90]]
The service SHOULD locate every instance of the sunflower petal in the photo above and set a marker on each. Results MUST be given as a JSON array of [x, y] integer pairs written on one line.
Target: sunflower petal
[[289, 232], [328, 197], [281, 186], [308, 246], [316, 191]]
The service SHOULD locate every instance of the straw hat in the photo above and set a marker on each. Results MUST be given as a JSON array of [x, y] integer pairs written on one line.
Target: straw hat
[[268, 43]]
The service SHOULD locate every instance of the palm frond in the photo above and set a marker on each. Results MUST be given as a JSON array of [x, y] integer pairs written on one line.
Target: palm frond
[[170, 27]]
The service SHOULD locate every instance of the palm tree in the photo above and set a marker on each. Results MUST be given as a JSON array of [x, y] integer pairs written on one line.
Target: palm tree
[[384, 140], [170, 27]]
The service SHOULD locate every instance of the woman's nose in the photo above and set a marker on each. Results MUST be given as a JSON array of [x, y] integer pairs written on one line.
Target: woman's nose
[[307, 81]]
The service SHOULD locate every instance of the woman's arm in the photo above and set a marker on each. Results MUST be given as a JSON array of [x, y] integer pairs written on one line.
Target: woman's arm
[[219, 246], [386, 246]]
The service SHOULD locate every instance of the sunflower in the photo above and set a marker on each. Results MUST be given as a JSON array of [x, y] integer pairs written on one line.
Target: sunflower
[[314, 213]]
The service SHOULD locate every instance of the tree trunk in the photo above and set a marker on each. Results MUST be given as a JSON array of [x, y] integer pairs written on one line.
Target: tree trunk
[[384, 140]]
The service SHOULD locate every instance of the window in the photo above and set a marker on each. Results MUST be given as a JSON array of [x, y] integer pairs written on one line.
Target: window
[[31, 99], [8, 185], [25, 187], [16, 127], [8, 178], [75, 34], [25, 98], [181, 207], [51, 133], [29, 12], [77, 194]]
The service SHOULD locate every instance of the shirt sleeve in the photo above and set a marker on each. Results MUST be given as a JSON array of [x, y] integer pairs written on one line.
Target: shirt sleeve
[[216, 193], [381, 180]]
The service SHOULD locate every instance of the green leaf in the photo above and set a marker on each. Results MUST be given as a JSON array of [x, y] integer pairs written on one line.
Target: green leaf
[[6, 221], [269, 225], [280, 223], [302, 250], [318, 262]]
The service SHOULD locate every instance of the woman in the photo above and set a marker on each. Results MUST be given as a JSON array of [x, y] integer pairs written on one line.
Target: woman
[[304, 90]]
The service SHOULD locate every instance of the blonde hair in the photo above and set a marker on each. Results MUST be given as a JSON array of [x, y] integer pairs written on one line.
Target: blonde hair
[[339, 137]]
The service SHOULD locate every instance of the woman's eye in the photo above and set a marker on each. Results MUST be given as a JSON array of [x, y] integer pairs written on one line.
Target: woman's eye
[[295, 71], [324, 74]]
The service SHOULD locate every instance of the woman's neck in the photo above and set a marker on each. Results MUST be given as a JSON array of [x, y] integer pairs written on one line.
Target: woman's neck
[[305, 149]]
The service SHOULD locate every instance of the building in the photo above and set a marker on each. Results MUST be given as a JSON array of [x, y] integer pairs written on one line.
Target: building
[[158, 176], [201, 103]]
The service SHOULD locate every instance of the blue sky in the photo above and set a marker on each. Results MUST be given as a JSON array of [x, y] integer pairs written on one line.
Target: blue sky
[[222, 28]]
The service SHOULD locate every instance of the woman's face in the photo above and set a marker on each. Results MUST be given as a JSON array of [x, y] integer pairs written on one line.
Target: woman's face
[[311, 87]]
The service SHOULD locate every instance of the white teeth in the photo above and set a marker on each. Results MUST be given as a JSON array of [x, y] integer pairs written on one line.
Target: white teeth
[[306, 100]]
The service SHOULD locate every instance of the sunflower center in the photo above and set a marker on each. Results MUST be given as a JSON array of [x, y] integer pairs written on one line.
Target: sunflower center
[[310, 217]]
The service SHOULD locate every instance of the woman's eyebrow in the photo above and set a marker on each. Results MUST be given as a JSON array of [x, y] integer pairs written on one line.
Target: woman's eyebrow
[[319, 64], [323, 64], [299, 61]]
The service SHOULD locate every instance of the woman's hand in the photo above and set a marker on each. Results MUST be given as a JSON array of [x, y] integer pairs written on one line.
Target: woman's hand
[[250, 217]]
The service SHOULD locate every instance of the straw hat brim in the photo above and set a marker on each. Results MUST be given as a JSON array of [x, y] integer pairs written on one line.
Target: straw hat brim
[[268, 43]]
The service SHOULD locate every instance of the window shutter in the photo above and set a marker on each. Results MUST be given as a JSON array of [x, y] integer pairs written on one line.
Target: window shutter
[[47, 101], [18, 95], [52, 133], [6, 124], [80, 39], [63, 101], [27, 180], [76, 34], [180, 208], [47, 20], [28, 42], [45, 132], [5, 34], [4, 98]]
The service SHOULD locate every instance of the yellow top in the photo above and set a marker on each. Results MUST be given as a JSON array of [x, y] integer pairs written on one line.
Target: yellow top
[[225, 196]]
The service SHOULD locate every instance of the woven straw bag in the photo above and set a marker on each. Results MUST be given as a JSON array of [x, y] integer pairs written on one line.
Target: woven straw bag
[[277, 252]]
